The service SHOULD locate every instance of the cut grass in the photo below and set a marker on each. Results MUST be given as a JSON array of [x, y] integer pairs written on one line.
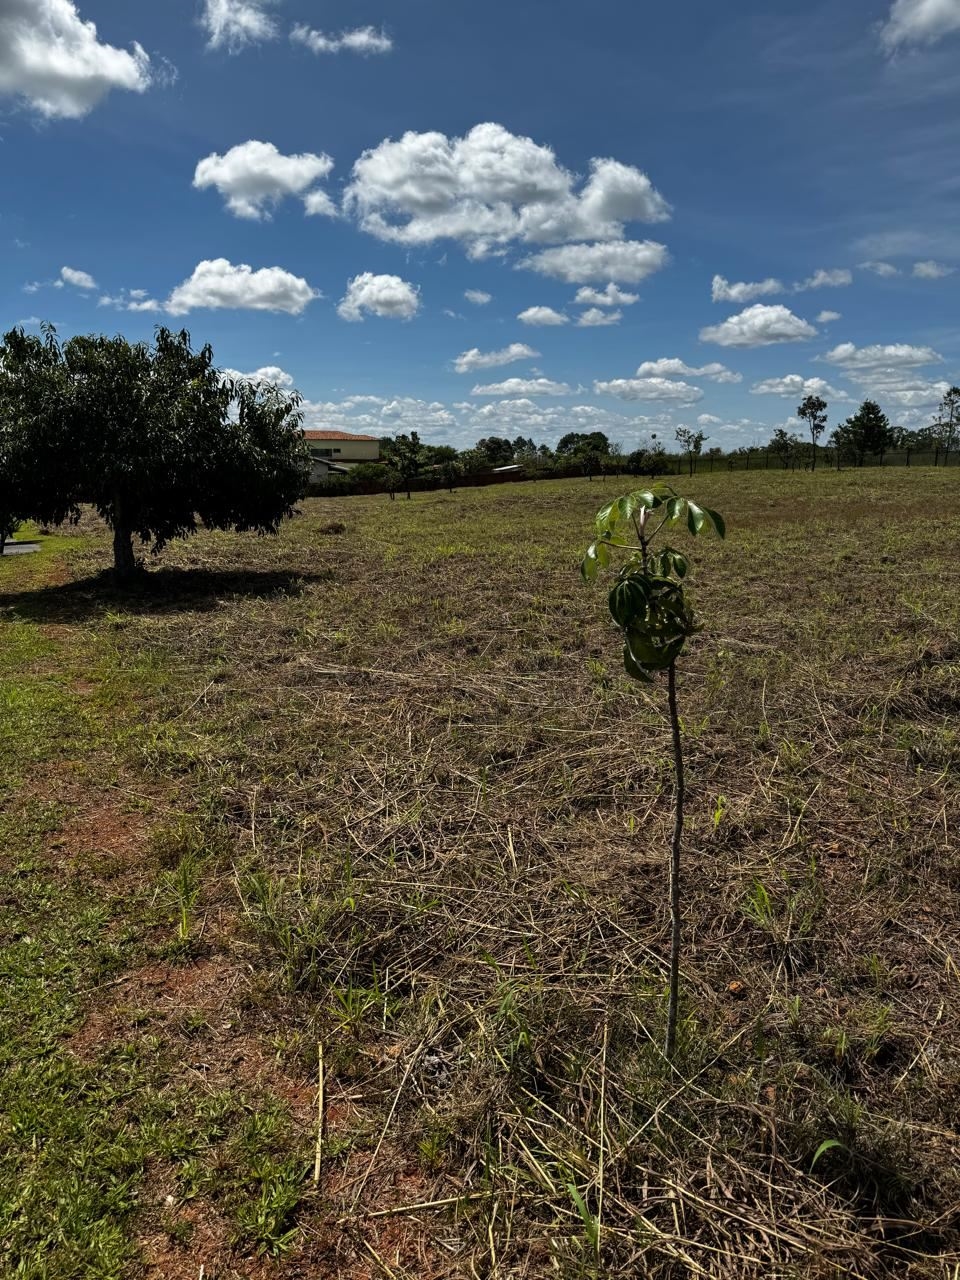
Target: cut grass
[[391, 792]]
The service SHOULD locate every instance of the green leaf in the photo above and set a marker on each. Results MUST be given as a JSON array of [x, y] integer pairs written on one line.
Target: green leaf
[[718, 522], [696, 518], [634, 669], [589, 568], [628, 601], [607, 517], [646, 498], [675, 509], [827, 1145]]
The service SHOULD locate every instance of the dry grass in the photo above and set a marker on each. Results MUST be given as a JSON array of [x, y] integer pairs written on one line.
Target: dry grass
[[420, 818]]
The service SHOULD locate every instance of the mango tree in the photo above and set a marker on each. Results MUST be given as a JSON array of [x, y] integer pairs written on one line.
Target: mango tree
[[649, 605]]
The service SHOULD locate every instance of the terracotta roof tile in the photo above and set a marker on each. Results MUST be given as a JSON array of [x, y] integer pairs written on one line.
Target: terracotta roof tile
[[336, 435]]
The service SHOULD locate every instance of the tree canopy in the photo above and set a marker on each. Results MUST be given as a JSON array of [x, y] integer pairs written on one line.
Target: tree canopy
[[152, 436]]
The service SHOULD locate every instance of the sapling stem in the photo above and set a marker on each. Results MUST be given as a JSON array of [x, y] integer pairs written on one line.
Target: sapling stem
[[670, 1043]]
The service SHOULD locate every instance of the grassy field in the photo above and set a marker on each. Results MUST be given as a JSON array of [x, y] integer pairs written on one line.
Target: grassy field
[[373, 804]]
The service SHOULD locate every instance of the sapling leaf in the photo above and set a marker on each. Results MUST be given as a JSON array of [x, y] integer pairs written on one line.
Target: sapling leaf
[[718, 522]]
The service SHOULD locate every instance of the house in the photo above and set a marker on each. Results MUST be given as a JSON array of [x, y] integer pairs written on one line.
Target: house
[[337, 451]]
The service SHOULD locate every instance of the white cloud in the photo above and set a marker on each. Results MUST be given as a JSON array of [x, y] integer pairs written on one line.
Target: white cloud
[[628, 260], [649, 389], [931, 270], [542, 316], [386, 296], [218, 284], [477, 359], [828, 317], [909, 393], [897, 355], [130, 300], [920, 22], [54, 60], [672, 367], [611, 296], [794, 384], [477, 297], [363, 40], [759, 326], [744, 291], [233, 24], [837, 278], [253, 176], [884, 269], [269, 373], [708, 420], [524, 387], [596, 317], [79, 279], [490, 188]]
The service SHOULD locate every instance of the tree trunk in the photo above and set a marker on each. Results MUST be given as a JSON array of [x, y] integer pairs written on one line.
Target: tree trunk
[[813, 464], [670, 1043], [124, 561]]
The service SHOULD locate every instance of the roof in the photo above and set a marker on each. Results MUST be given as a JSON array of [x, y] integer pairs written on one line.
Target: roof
[[336, 435]]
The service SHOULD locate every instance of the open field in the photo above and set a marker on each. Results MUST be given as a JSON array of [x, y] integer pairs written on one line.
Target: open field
[[385, 793]]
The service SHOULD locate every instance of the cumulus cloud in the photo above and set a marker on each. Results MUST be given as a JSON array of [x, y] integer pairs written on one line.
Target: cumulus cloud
[[837, 278], [477, 359], [708, 420], [628, 260], [477, 297], [490, 188], [219, 284], [542, 316], [759, 326], [889, 372], [743, 291], [649, 389], [919, 22], [362, 40], [130, 300], [828, 317], [524, 387], [672, 367], [254, 176], [884, 269], [54, 60], [233, 24], [794, 384], [611, 296], [899, 355], [79, 279], [931, 270], [386, 296], [596, 317], [269, 373]]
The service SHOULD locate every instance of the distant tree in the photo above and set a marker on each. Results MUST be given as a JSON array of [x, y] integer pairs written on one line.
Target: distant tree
[[369, 477], [582, 442], [691, 442], [713, 454], [153, 437], [497, 450], [784, 446], [813, 411], [404, 458], [523, 446], [866, 431], [946, 427], [435, 455]]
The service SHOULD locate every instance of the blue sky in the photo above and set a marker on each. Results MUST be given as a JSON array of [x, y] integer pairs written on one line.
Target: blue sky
[[499, 219]]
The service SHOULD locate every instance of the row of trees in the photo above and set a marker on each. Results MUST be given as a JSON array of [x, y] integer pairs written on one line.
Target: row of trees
[[152, 436], [866, 433]]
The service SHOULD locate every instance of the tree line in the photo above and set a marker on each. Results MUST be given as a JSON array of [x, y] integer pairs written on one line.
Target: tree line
[[407, 462]]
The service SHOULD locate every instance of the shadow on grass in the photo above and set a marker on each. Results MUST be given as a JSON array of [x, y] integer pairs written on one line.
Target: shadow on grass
[[163, 591]]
